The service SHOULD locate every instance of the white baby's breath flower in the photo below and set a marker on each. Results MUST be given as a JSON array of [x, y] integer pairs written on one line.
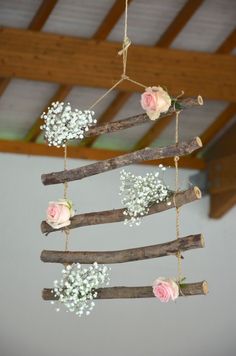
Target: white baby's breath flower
[[62, 124]]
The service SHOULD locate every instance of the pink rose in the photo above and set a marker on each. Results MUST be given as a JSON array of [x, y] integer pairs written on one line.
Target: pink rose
[[154, 101], [165, 289], [59, 213]]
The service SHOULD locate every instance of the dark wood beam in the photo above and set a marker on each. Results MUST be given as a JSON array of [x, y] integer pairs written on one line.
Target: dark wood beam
[[43, 56], [42, 14], [188, 289], [228, 45], [36, 24]]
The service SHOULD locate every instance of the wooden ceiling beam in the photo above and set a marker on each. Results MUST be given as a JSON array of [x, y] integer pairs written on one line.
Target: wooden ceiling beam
[[63, 91], [35, 149], [36, 24], [68, 60]]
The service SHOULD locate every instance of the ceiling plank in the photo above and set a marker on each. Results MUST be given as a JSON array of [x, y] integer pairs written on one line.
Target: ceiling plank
[[218, 124], [110, 20], [35, 149], [179, 22], [36, 24], [63, 91], [61, 59], [35, 130]]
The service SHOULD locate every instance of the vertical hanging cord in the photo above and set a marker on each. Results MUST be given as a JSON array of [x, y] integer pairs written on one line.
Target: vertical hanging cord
[[176, 160], [66, 230]]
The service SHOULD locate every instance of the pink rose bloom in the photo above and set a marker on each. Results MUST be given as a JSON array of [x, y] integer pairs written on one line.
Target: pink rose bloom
[[59, 213], [154, 101], [165, 289]]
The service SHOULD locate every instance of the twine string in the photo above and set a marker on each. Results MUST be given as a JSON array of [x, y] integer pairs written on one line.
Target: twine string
[[66, 230], [124, 53], [177, 208]]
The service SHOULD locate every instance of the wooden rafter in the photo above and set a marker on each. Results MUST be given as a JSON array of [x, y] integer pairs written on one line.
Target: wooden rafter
[[218, 124], [29, 148], [103, 31], [36, 24], [229, 44], [166, 39], [109, 113], [44, 56]]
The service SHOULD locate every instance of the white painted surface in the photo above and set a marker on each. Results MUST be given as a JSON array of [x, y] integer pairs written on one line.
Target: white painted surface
[[203, 325]]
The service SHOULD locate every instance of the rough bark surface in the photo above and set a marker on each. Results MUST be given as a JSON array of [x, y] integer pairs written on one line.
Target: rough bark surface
[[138, 119], [146, 154], [117, 215], [128, 255], [188, 289]]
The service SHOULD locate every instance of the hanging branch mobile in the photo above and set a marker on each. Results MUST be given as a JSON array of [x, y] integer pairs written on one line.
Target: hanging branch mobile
[[142, 196]]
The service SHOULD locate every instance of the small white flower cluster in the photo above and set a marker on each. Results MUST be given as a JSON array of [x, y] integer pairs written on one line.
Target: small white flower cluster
[[63, 124], [139, 193], [77, 288]]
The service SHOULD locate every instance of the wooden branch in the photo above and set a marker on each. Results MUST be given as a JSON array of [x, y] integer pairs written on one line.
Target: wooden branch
[[139, 119], [146, 154], [133, 254], [37, 149], [117, 215], [44, 56], [188, 289]]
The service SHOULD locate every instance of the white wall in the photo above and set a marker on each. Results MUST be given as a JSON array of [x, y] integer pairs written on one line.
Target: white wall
[[193, 326]]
